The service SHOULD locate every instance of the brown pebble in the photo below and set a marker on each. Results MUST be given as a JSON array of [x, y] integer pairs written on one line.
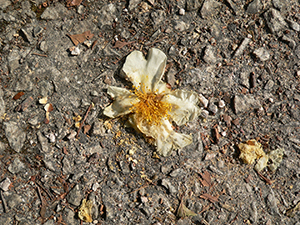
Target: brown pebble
[[18, 95]]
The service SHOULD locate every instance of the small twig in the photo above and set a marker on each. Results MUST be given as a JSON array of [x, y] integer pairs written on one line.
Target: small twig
[[45, 190], [265, 178], [39, 54], [5, 208], [40, 195], [82, 122], [155, 41], [38, 41], [143, 186]]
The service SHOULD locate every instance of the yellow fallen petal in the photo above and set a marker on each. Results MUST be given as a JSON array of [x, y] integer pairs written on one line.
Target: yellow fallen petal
[[250, 151], [85, 211]]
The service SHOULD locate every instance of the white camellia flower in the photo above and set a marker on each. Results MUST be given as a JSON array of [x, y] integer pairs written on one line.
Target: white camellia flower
[[151, 105]]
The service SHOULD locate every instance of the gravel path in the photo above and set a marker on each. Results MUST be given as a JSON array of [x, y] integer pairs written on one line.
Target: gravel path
[[63, 162]]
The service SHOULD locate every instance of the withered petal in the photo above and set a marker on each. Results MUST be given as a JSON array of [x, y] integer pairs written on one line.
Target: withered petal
[[185, 106], [123, 101]]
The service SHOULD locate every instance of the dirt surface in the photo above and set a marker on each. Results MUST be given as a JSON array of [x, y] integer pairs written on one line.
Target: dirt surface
[[57, 60]]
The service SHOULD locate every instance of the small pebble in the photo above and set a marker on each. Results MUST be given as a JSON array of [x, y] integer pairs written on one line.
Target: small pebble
[[204, 114], [203, 100], [221, 104], [181, 11], [72, 135], [87, 43], [51, 137], [74, 50], [213, 108], [210, 156], [43, 100], [4, 185]]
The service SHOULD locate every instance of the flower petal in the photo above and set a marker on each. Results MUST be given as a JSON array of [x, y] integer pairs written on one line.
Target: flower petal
[[184, 106], [145, 73], [123, 101], [166, 138]]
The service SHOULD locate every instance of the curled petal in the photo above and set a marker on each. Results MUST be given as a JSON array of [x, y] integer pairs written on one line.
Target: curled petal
[[144, 73], [166, 138], [123, 101], [184, 106]]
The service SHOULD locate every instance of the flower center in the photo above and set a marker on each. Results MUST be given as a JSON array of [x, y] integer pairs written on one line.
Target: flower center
[[150, 108]]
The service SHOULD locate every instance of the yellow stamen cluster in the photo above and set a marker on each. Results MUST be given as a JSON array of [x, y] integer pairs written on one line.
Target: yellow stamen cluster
[[150, 108]]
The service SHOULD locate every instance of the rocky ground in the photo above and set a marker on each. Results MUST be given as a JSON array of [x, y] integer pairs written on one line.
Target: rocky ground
[[57, 60]]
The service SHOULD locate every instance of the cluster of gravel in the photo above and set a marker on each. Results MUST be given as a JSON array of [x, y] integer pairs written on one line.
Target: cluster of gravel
[[241, 57]]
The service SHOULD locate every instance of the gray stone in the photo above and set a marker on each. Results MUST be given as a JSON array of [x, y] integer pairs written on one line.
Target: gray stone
[[4, 3], [158, 16], [168, 185], [177, 172], [279, 4], [253, 212], [75, 196], [133, 4], [243, 103], [15, 135], [37, 31], [269, 85], [13, 59], [272, 203], [16, 166], [237, 10], [94, 149], [171, 79], [49, 222], [107, 15], [50, 13], [254, 7], [4, 185], [2, 147], [50, 164], [289, 41], [98, 128], [192, 5], [209, 55], [165, 168], [242, 47], [27, 10], [209, 9], [215, 170], [274, 21], [24, 84], [44, 142], [180, 25], [69, 216], [262, 54], [244, 76], [294, 25], [27, 32], [14, 200], [67, 165], [109, 208]]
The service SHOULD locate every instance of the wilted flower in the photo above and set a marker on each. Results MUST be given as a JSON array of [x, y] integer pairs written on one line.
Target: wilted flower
[[151, 105]]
